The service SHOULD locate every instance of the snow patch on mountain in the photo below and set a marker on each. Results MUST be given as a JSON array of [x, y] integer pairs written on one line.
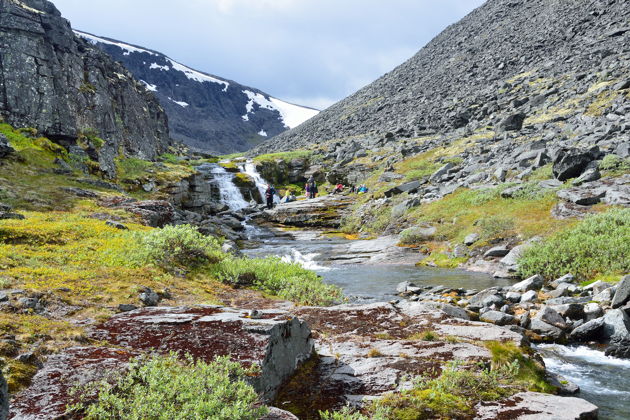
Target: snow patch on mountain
[[128, 48], [190, 73], [182, 104], [291, 115], [149, 86], [262, 133]]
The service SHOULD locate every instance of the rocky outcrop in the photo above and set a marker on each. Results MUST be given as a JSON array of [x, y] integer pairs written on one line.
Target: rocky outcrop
[[325, 211], [484, 72], [276, 342], [72, 92], [205, 111], [533, 405], [5, 147]]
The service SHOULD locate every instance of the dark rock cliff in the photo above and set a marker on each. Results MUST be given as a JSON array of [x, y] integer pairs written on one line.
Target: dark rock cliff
[[65, 88], [205, 111], [505, 66]]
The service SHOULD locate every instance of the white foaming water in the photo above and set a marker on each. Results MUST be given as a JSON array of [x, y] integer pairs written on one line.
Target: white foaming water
[[230, 194], [305, 260], [250, 169], [603, 380]]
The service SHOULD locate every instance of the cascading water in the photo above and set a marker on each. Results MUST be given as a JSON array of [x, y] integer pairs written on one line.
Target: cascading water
[[223, 180], [250, 169], [603, 380]]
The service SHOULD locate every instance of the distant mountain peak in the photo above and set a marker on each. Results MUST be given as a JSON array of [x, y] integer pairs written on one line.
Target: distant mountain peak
[[204, 110]]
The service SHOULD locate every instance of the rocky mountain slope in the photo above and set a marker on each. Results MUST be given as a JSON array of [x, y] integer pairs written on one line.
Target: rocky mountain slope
[[547, 68], [205, 111], [71, 92]]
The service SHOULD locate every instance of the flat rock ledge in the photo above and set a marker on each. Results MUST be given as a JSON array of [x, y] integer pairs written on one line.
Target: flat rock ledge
[[277, 342], [325, 211], [535, 406]]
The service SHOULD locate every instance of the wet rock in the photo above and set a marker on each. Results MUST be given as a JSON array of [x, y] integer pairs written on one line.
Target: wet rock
[[551, 317], [148, 297], [531, 284], [616, 325], [497, 251], [570, 310], [619, 348], [591, 330], [497, 318], [116, 225], [592, 311], [547, 331], [564, 386], [622, 294], [402, 286], [534, 406]]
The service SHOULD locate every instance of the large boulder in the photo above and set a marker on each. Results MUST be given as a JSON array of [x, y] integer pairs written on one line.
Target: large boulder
[[622, 295], [591, 330], [408, 187], [616, 325], [536, 406], [5, 147], [497, 318], [532, 283], [513, 122], [273, 339], [571, 164]]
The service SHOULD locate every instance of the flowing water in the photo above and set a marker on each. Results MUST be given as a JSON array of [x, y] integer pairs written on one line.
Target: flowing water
[[604, 381], [224, 182], [250, 169]]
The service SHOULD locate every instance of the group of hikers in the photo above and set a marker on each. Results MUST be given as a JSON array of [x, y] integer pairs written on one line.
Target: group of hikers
[[311, 190]]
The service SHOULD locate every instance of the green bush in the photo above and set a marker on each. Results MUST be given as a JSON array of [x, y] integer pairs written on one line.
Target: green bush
[[600, 244], [132, 168], [348, 414], [272, 275], [615, 164], [495, 227], [416, 235], [165, 388], [178, 247], [453, 394]]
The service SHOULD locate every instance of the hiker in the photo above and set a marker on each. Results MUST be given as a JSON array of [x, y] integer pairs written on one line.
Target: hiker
[[353, 189], [269, 193], [363, 189], [338, 189], [311, 188], [288, 197]]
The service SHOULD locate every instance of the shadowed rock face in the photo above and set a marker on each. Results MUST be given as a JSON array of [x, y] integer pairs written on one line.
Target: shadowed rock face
[[63, 86], [367, 350], [276, 342]]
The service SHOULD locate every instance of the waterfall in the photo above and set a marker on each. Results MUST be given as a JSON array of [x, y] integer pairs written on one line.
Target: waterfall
[[223, 181], [250, 169]]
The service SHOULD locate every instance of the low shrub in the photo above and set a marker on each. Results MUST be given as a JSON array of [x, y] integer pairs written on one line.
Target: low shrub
[[599, 244], [615, 164], [271, 275], [493, 227], [416, 235], [165, 388], [178, 247]]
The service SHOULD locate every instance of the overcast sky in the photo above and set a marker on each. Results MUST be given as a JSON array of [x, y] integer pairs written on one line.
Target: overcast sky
[[310, 52]]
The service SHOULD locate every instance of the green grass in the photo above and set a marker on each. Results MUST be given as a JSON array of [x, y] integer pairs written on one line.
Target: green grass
[[286, 156], [166, 387], [598, 245], [528, 374], [275, 277]]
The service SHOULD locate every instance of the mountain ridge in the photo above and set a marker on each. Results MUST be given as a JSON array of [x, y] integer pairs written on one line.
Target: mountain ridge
[[221, 116]]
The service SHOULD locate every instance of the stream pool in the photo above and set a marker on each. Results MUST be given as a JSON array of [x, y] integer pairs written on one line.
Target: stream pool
[[604, 381]]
